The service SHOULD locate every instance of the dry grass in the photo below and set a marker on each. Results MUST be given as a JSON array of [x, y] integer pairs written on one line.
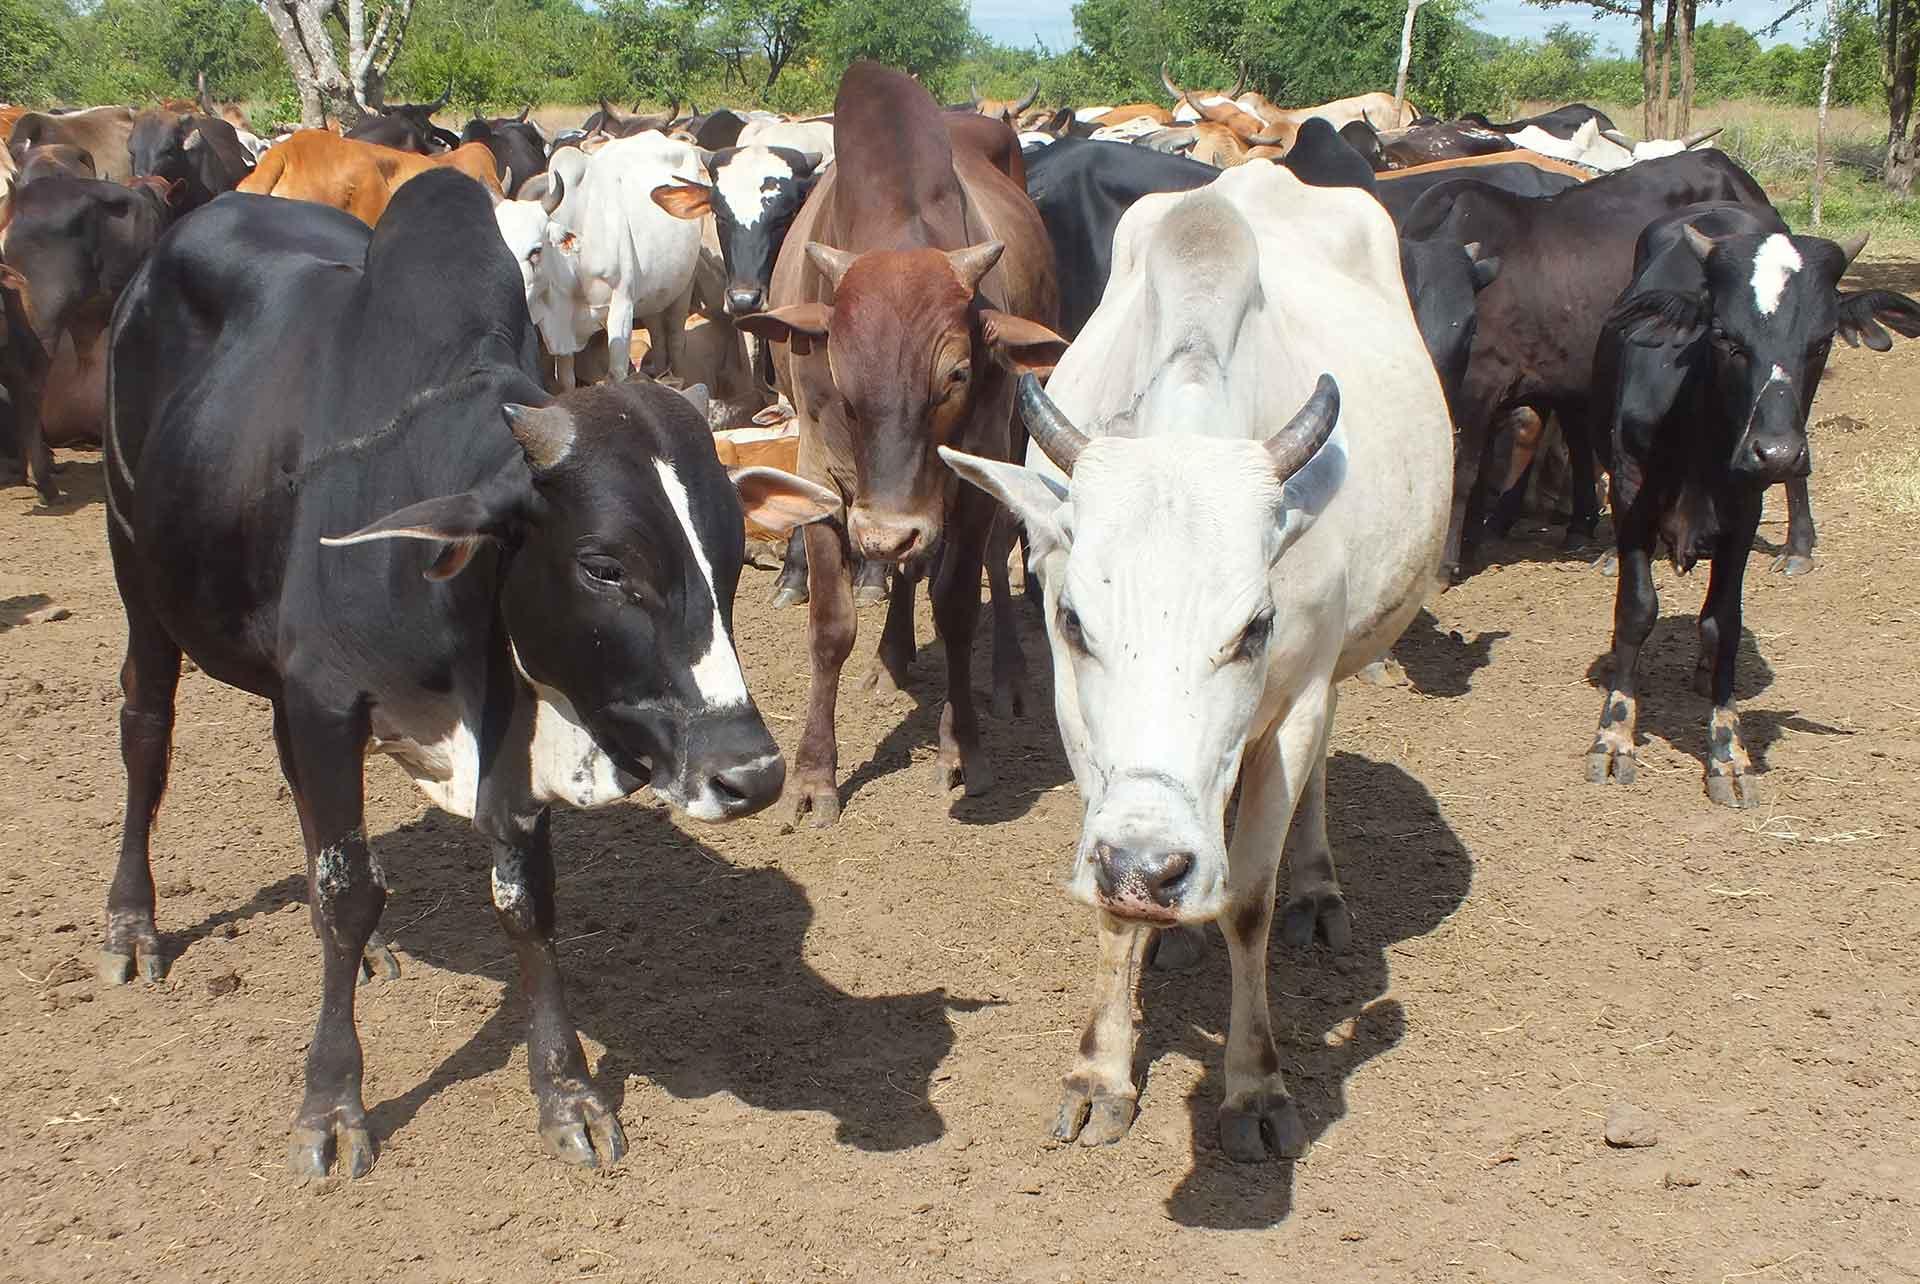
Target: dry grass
[[1889, 480]]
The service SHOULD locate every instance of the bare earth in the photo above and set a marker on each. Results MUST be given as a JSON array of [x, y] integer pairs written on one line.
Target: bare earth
[[836, 1052]]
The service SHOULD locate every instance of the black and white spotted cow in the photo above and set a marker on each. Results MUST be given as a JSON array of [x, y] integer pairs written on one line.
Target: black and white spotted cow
[[754, 193], [406, 547], [1706, 370]]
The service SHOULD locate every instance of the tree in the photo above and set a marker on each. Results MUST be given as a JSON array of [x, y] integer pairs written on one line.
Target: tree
[[917, 36], [351, 90], [1900, 38], [1406, 56], [28, 52], [779, 29], [1818, 192]]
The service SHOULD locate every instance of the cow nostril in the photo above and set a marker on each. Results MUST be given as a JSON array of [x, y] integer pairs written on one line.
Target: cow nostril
[[1168, 874], [750, 784], [742, 302]]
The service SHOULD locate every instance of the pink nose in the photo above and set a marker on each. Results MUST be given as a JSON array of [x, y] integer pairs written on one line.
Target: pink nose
[[886, 539]]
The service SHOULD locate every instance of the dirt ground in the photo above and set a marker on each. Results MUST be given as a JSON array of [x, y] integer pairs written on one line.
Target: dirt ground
[[836, 1053]]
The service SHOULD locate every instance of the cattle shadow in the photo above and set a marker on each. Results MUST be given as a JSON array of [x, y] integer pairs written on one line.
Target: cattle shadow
[[1443, 663], [15, 610], [689, 970], [1404, 872], [1024, 752], [1884, 274], [82, 483], [1671, 710]]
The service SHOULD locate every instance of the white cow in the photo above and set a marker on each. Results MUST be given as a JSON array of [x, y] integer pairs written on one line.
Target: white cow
[[599, 254], [1211, 569], [815, 136], [1604, 150]]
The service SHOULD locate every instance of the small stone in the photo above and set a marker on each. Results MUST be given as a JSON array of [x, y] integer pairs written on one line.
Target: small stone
[[47, 615], [1630, 1127], [925, 1205], [1675, 1180], [1029, 1184], [1352, 1236], [224, 984]]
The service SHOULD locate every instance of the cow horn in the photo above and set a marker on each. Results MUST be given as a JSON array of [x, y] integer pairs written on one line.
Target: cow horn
[[446, 96], [200, 87], [1616, 137], [1052, 431], [975, 262], [833, 263], [524, 112], [1851, 247], [545, 434], [1173, 89], [1307, 431], [1700, 136], [1699, 242], [974, 85], [1027, 102], [1240, 85], [555, 193]]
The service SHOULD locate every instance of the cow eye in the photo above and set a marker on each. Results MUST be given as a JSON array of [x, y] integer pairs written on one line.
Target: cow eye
[[1071, 631], [533, 255], [960, 374], [1253, 638], [603, 571]]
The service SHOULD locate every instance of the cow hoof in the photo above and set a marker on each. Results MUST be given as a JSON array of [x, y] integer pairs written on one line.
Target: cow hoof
[[315, 1150], [1792, 564], [1010, 701], [130, 940], [883, 683], [818, 804], [1733, 791], [115, 968], [378, 963], [1093, 1118], [1385, 672], [1266, 1122], [1177, 949], [789, 595], [972, 776], [1608, 564], [583, 1132], [1320, 913], [869, 593], [1605, 763]]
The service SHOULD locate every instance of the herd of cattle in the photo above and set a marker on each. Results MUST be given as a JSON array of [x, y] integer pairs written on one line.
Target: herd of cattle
[[1279, 348]]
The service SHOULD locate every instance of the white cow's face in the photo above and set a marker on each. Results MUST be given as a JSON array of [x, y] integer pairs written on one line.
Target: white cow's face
[[1159, 561], [548, 256]]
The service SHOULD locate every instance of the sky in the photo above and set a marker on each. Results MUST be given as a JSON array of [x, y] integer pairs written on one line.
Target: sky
[[1019, 22]]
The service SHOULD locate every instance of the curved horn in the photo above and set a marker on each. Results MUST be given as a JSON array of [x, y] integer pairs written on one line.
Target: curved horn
[[524, 111], [1173, 89], [446, 96], [974, 85], [200, 85], [1026, 102], [1700, 136], [1307, 431], [1616, 137], [1851, 247], [555, 193], [832, 263], [1052, 431], [1240, 85]]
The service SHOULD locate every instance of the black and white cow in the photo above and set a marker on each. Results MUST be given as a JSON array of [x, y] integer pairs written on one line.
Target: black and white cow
[[405, 546], [753, 195], [1706, 370]]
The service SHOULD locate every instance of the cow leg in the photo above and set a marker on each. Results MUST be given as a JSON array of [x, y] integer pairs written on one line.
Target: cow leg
[[36, 458], [1258, 1112], [620, 338], [1472, 442], [1524, 427], [1583, 518], [1635, 608], [1315, 904], [956, 612], [790, 588], [563, 373], [346, 894], [895, 657], [1797, 559], [149, 677], [831, 626], [1729, 769], [1009, 660], [576, 1123], [1098, 1096], [870, 583], [669, 336]]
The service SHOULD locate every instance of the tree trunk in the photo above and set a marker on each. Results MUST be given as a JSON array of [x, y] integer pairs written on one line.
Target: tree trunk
[[1666, 75], [1647, 62], [1684, 120], [1406, 58], [1902, 53], [1818, 193], [349, 90]]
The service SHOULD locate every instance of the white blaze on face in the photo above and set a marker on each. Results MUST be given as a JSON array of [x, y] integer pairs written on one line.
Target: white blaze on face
[[717, 673], [1774, 263], [741, 183]]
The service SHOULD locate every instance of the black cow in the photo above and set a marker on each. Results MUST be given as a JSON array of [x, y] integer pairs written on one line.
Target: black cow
[[408, 127], [1565, 258], [519, 148], [74, 244], [715, 129], [401, 543], [1561, 122], [1401, 190], [1424, 144], [200, 152], [753, 195], [1705, 372], [1365, 140], [1320, 156]]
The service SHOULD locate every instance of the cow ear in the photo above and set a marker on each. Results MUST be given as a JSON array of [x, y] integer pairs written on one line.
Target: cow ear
[[1863, 312], [798, 325], [1033, 497], [779, 502], [1024, 345], [460, 523], [11, 279], [685, 199], [1660, 318], [697, 397]]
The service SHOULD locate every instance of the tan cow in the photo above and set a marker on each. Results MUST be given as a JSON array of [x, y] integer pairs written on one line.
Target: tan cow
[[360, 178]]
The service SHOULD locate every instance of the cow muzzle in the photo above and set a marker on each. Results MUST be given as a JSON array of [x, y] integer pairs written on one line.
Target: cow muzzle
[[729, 767], [744, 300], [887, 537], [1145, 855], [1766, 458]]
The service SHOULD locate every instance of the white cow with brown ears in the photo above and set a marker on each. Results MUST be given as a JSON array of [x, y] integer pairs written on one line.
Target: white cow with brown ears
[[1237, 496]]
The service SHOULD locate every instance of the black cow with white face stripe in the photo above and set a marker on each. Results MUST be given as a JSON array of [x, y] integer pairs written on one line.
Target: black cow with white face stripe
[[1707, 368], [404, 546], [754, 193]]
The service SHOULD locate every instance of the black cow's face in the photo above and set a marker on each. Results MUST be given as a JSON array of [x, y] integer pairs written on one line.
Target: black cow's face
[[1774, 311], [163, 145], [626, 545], [753, 197]]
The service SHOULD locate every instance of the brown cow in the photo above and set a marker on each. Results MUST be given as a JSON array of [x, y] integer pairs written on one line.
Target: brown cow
[[101, 131], [1005, 110], [1258, 123], [360, 178], [914, 270]]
